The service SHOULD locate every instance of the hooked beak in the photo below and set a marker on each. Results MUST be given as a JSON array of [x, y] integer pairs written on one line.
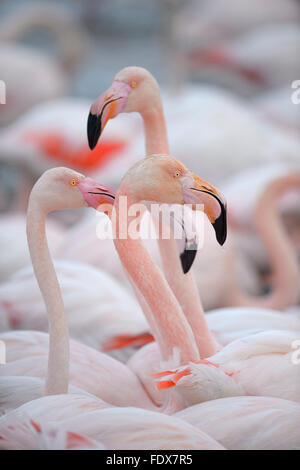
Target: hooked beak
[[200, 192], [97, 195], [107, 106]]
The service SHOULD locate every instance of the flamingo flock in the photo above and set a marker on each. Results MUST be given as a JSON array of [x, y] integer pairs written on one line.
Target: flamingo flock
[[149, 272]]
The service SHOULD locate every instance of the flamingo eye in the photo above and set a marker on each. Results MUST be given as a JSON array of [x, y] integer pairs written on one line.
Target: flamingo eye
[[73, 182], [133, 84], [177, 174]]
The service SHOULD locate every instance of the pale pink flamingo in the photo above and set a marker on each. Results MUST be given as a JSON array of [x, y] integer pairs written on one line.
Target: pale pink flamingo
[[32, 425], [43, 77], [259, 364], [72, 190], [244, 423], [97, 307]]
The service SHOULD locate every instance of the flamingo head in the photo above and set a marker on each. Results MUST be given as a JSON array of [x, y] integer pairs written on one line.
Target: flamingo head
[[125, 95], [63, 188], [164, 179]]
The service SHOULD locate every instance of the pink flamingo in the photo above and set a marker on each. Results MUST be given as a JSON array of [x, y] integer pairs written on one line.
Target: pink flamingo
[[135, 89], [248, 422], [72, 190], [179, 334], [158, 168], [31, 425]]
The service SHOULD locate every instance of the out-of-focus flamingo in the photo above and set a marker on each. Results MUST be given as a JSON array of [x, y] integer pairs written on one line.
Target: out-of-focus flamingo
[[277, 106], [53, 134], [200, 24], [266, 56], [31, 76]]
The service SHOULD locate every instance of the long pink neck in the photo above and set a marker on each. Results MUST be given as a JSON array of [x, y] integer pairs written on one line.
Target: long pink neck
[[282, 257], [58, 362], [175, 333], [183, 286]]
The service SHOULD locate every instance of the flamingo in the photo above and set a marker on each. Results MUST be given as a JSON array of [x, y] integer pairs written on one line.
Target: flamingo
[[16, 341], [115, 428], [244, 423], [72, 190], [135, 89], [43, 78], [218, 20], [265, 56]]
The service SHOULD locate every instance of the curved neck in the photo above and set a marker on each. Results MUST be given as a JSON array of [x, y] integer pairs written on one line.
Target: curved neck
[[175, 335], [183, 286], [58, 361], [283, 259]]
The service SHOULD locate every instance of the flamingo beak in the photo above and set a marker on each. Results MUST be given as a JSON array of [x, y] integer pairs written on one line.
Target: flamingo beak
[[97, 195], [107, 106], [201, 192]]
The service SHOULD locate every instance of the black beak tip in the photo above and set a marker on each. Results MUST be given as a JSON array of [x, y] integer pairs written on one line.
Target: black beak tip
[[93, 130], [220, 226], [187, 258]]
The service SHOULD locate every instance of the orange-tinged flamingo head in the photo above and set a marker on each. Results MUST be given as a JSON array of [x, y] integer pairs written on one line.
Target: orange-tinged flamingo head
[[164, 179], [63, 188], [126, 94]]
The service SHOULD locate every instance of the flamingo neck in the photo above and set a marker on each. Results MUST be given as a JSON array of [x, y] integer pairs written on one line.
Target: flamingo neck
[[155, 129], [58, 362], [183, 286], [283, 259], [174, 332]]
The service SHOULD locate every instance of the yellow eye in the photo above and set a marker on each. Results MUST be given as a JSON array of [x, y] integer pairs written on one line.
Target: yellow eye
[[133, 84], [177, 173], [73, 182]]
